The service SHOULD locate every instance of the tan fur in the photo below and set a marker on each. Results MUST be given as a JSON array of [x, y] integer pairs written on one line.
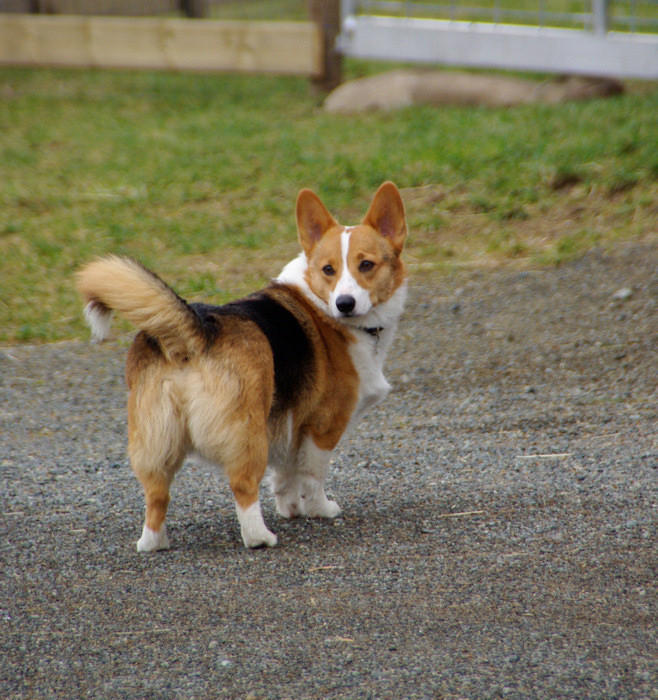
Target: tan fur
[[325, 409], [379, 239], [216, 393], [313, 219], [218, 402], [125, 286], [326, 251], [386, 215], [389, 271]]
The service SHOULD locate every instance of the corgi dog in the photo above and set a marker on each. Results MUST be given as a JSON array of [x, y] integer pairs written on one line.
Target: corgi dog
[[274, 379]]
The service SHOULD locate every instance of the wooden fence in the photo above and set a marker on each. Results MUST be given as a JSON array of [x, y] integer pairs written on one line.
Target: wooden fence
[[77, 33], [161, 43], [126, 8]]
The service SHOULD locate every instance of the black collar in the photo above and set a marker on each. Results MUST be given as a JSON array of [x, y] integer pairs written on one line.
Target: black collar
[[374, 332]]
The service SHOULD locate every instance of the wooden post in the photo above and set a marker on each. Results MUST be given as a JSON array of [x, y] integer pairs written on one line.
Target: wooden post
[[326, 14], [194, 8]]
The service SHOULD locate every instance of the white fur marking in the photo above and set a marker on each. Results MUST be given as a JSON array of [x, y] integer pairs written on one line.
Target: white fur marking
[[252, 527], [99, 321], [347, 285], [302, 491], [368, 353], [151, 541], [294, 273]]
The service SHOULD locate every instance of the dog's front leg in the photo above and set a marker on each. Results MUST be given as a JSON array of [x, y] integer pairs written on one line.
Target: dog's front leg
[[299, 490]]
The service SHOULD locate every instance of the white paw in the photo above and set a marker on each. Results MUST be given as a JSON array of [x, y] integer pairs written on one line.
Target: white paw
[[317, 506], [314, 502], [252, 527], [264, 538], [151, 541], [328, 509], [287, 507]]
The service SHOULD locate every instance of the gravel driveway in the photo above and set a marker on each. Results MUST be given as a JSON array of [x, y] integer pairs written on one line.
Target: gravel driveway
[[498, 536]]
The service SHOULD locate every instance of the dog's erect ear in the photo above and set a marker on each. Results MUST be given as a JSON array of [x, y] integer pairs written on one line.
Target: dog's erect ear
[[386, 215], [313, 219]]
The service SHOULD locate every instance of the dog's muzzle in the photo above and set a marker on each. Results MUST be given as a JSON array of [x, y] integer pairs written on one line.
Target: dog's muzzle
[[345, 303]]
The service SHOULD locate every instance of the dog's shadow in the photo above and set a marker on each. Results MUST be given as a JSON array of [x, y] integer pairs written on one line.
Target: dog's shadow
[[361, 520]]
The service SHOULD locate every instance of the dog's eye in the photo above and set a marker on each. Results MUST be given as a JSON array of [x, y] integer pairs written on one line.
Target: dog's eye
[[328, 270], [366, 265]]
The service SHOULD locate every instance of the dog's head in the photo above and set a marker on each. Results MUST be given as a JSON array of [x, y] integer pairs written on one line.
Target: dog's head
[[353, 268]]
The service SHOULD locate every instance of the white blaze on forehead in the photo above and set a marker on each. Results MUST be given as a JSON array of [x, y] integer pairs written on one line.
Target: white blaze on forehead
[[344, 249], [346, 284]]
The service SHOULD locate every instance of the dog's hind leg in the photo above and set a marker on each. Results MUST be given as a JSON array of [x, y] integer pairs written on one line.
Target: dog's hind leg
[[237, 442], [156, 444], [227, 422], [156, 493], [245, 474]]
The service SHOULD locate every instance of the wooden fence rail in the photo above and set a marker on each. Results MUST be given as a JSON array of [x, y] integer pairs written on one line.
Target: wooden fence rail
[[162, 43]]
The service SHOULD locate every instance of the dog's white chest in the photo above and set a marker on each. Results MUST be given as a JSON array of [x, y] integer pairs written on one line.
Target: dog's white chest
[[368, 355]]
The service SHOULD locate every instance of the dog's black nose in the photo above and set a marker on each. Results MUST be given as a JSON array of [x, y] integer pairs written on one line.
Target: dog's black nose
[[345, 303]]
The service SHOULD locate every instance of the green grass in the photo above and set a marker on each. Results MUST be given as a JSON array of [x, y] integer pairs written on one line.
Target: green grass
[[196, 175], [563, 13], [260, 9], [623, 14]]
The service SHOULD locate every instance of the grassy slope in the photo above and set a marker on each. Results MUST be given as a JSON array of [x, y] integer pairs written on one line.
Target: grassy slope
[[197, 175]]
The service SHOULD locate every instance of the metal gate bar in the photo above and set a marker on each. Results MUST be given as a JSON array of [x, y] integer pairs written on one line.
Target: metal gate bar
[[530, 44]]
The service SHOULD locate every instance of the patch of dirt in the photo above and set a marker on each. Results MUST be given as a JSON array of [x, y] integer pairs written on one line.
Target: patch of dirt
[[497, 537]]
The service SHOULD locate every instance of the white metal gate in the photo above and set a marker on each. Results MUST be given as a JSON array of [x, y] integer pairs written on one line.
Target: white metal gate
[[591, 37]]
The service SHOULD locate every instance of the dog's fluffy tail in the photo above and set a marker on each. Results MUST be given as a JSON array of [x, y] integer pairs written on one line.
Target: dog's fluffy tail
[[120, 284]]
